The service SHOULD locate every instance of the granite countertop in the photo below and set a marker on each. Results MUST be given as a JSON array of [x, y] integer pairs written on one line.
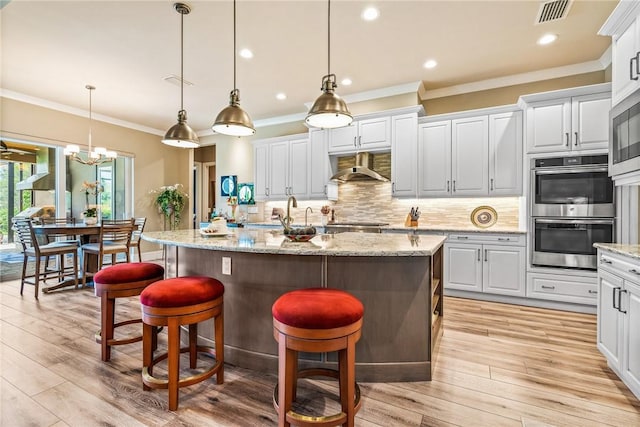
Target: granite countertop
[[618, 248], [274, 242]]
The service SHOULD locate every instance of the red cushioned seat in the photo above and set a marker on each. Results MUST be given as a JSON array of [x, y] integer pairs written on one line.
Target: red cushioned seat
[[181, 292], [128, 272], [317, 308]]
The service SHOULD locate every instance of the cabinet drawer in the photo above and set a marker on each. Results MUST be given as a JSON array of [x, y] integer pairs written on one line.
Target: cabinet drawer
[[502, 239], [620, 266], [580, 290]]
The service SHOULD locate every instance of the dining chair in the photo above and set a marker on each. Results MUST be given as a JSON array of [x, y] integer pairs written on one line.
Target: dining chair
[[32, 248], [137, 232], [114, 239], [63, 238]]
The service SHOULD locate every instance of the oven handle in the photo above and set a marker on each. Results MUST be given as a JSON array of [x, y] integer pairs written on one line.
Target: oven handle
[[574, 221], [560, 170]]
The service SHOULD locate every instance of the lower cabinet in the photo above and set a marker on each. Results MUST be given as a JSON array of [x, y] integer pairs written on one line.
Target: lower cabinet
[[618, 337], [487, 263], [562, 288]]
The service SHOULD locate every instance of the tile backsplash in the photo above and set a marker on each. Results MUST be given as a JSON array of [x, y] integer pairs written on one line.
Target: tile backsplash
[[371, 201]]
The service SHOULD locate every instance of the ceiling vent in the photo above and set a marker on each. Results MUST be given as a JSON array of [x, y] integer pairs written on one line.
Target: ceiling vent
[[553, 11], [173, 79]]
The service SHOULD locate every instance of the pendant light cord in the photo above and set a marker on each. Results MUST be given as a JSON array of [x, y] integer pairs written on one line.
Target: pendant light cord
[[329, 38], [181, 61], [234, 45]]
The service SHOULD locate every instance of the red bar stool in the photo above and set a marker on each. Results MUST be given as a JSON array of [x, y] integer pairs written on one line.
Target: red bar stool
[[173, 303], [316, 320], [120, 281]]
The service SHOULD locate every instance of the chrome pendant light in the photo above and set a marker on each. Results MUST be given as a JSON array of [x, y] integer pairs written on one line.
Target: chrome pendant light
[[180, 134], [94, 157], [329, 111], [233, 120]]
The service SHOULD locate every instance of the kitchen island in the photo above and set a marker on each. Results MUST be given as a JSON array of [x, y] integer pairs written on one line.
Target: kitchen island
[[398, 278]]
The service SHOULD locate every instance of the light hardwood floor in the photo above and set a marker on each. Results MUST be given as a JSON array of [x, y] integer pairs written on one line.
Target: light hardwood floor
[[498, 365]]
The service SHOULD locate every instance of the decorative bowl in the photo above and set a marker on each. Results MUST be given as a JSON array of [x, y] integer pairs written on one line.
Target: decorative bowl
[[300, 237]]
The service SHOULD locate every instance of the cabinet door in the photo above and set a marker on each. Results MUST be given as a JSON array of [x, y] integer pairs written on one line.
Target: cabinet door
[[548, 126], [631, 347], [623, 65], [374, 133], [463, 267], [279, 170], [610, 326], [318, 164], [470, 156], [590, 121], [503, 270], [505, 154], [404, 150], [261, 171], [343, 139], [299, 168], [434, 159]]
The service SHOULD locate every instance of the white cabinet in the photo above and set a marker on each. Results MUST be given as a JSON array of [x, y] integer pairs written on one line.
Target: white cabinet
[[373, 134], [618, 336], [483, 262], [281, 168], [471, 156], [404, 162], [624, 62], [505, 154], [568, 124], [320, 186]]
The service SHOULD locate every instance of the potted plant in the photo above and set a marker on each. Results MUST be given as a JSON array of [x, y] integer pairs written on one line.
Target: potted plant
[[90, 216], [170, 200]]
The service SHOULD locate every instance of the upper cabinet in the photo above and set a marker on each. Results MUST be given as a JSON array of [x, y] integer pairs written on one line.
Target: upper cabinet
[[373, 134], [568, 123], [471, 155], [404, 164], [320, 186], [624, 27]]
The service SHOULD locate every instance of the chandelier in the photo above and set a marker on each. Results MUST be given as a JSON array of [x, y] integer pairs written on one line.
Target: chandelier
[[94, 157]]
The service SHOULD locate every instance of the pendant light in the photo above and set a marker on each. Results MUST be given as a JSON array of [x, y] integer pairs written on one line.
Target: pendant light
[[233, 120], [94, 157], [180, 134], [329, 110]]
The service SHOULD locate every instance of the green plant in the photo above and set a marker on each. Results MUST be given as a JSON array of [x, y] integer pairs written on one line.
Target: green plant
[[170, 200], [91, 212]]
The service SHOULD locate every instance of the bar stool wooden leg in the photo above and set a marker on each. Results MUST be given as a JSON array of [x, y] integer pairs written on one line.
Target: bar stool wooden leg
[[286, 367], [218, 324], [107, 314], [193, 342], [147, 350], [173, 341]]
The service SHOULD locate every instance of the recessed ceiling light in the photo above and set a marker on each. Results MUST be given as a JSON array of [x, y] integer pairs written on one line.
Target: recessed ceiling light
[[370, 14], [281, 96], [431, 63], [346, 81], [246, 53], [547, 39]]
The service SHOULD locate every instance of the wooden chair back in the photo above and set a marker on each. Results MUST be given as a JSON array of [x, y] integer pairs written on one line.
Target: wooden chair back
[[23, 232], [116, 231], [58, 221], [139, 222]]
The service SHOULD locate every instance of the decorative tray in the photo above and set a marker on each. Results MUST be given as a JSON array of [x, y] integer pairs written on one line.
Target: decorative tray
[[484, 216], [213, 232], [300, 237]]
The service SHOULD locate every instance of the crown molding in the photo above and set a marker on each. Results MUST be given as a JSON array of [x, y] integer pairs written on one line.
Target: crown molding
[[385, 92], [515, 79], [624, 13], [76, 111]]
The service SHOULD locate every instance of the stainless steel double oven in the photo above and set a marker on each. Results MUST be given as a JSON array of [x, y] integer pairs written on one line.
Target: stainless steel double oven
[[572, 207]]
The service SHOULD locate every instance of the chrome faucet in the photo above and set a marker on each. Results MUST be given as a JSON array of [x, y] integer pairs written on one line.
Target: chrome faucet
[[306, 211], [289, 204]]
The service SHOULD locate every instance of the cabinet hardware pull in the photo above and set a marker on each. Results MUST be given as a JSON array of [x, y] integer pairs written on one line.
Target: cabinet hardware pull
[[325, 190], [485, 255], [359, 145], [576, 143], [503, 239], [393, 187], [605, 261], [548, 287], [620, 301], [491, 187], [566, 144], [617, 307], [355, 138], [448, 186], [634, 271], [266, 191], [462, 237], [637, 63], [454, 185], [635, 58], [478, 254], [591, 291]]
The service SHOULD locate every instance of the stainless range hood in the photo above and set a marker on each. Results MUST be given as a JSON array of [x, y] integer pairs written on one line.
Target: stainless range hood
[[44, 178], [363, 169]]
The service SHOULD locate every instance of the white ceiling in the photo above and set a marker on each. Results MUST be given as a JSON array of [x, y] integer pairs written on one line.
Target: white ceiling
[[52, 49]]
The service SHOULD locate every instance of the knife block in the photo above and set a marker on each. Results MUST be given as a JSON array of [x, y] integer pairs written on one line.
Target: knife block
[[410, 222]]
